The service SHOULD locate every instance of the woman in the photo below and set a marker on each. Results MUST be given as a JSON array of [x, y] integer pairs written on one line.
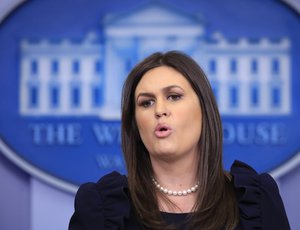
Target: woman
[[172, 144]]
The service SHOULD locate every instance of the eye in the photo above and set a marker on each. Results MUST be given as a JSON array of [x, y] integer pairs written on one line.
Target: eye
[[146, 103], [174, 97]]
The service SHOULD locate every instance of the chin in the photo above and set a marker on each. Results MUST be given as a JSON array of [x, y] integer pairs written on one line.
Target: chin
[[166, 154]]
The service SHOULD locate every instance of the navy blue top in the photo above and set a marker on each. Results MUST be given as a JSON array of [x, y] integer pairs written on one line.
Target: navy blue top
[[180, 220], [106, 204]]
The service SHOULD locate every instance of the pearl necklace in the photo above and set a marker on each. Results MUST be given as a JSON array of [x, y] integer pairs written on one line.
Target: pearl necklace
[[175, 193]]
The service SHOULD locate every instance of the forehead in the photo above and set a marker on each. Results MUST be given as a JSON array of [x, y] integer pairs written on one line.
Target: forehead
[[161, 77]]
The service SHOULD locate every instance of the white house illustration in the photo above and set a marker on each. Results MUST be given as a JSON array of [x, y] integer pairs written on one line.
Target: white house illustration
[[61, 79], [68, 78]]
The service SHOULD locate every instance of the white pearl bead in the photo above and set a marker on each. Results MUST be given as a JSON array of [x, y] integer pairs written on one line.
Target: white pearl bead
[[174, 193]]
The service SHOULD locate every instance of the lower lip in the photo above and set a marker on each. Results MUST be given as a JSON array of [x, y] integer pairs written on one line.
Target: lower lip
[[162, 134]]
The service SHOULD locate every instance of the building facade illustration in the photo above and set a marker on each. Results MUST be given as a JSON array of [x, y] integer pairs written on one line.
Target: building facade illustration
[[84, 78]]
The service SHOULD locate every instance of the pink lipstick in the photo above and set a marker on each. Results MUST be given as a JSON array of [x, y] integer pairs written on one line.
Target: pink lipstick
[[162, 131]]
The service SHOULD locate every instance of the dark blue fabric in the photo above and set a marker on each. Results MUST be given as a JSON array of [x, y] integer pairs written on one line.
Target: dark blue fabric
[[260, 204], [180, 220], [106, 204]]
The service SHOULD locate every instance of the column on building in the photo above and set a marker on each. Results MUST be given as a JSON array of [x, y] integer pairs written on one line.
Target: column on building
[[253, 77]]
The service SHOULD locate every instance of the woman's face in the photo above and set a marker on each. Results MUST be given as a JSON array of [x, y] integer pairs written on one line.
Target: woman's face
[[168, 114]]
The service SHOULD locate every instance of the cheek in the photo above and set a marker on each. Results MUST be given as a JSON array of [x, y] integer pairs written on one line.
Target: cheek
[[197, 119], [198, 124], [142, 124], [192, 120]]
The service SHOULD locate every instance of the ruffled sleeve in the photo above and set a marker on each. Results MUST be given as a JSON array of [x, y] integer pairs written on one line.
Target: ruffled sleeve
[[102, 205], [259, 201]]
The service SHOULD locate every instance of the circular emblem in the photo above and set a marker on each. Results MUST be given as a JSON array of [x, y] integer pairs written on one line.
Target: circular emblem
[[63, 65]]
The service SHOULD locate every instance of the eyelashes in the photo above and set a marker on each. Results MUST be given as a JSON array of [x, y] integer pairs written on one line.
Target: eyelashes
[[174, 97], [148, 102]]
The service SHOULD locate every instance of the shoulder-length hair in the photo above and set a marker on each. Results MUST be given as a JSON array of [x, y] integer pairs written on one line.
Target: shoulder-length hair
[[216, 199]]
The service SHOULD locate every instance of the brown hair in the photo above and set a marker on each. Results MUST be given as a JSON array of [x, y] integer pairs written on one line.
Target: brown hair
[[216, 201]]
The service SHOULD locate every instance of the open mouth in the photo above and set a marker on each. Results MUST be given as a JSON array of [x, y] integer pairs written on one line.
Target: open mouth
[[162, 131]]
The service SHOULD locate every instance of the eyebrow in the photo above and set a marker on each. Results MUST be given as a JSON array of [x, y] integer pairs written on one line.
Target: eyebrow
[[165, 89]]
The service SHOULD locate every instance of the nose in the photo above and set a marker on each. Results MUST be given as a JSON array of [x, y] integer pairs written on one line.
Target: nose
[[159, 115], [161, 110]]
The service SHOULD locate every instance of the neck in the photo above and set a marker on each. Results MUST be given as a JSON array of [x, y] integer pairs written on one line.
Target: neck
[[176, 174]]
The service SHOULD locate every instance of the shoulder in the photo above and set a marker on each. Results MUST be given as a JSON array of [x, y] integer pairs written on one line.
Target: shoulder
[[110, 188], [101, 204], [258, 197], [113, 182]]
